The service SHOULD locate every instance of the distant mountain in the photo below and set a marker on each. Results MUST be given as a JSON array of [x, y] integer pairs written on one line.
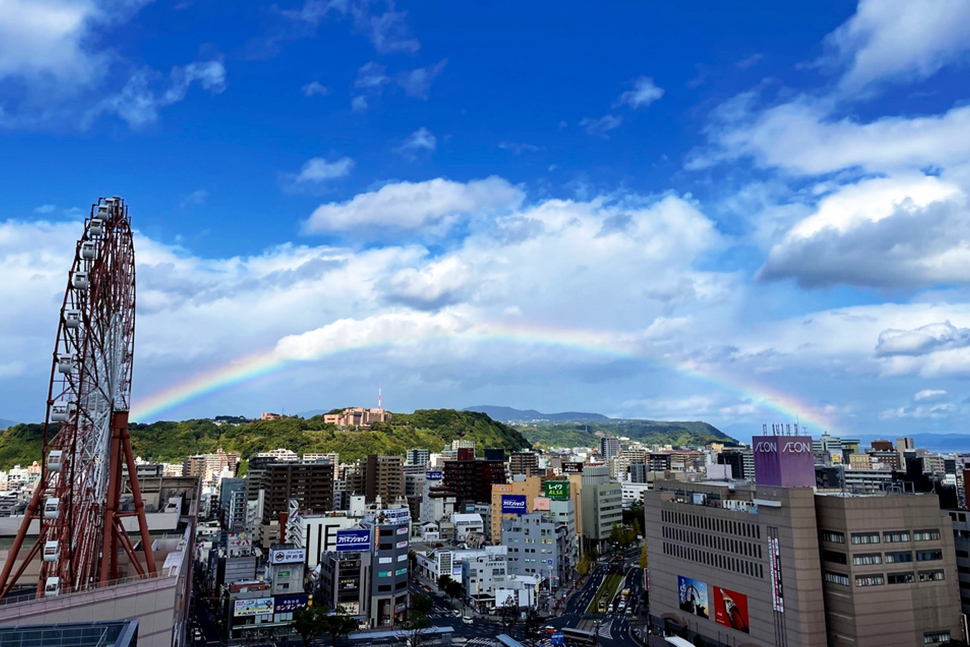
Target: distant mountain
[[6, 423], [648, 432], [508, 414]]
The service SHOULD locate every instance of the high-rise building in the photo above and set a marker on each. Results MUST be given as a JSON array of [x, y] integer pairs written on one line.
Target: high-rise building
[[523, 463], [311, 484], [378, 476], [418, 456], [609, 447], [471, 479], [209, 465], [602, 501], [232, 504]]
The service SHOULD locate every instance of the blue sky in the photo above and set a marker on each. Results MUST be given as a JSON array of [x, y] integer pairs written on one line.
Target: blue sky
[[681, 210]]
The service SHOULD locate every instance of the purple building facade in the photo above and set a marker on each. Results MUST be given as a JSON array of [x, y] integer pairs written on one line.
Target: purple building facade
[[785, 461]]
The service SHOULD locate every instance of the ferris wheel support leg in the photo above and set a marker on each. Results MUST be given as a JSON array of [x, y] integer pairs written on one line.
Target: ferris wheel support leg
[[109, 543], [18, 542], [146, 542]]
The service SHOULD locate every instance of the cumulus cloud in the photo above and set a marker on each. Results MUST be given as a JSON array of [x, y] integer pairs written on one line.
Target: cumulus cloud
[[194, 198], [887, 41], [317, 172], [803, 137], [138, 102], [417, 82], [644, 92], [897, 232], [923, 340], [409, 205], [430, 287], [387, 31], [315, 88], [602, 126], [420, 140], [929, 395]]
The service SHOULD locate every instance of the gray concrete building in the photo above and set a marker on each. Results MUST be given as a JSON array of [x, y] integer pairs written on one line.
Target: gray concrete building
[[961, 545], [540, 547], [602, 504]]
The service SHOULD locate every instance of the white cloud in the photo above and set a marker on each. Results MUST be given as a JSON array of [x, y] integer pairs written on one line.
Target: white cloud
[[388, 32], [408, 205], [420, 139], [929, 395], [44, 41], [801, 137], [518, 148], [315, 87], [371, 76], [45, 208], [644, 92], [435, 285], [359, 103], [888, 233], [318, 171], [897, 40], [600, 127], [417, 82], [194, 198]]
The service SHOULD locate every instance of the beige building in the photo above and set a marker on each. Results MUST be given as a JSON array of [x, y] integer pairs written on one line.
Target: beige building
[[209, 465], [743, 564], [357, 417], [530, 486]]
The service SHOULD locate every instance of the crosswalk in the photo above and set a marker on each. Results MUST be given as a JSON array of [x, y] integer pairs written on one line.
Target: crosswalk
[[604, 629], [481, 642]]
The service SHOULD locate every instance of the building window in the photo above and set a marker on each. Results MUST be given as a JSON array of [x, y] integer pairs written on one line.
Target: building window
[[834, 537], [899, 558], [936, 637], [836, 578], [926, 535], [865, 538], [896, 537], [869, 580], [928, 555], [901, 578], [867, 560], [930, 576]]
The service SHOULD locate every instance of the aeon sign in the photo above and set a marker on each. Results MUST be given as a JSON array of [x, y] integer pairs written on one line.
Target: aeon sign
[[789, 447], [786, 461]]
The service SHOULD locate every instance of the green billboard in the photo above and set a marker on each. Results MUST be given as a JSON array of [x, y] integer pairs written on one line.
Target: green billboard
[[557, 489]]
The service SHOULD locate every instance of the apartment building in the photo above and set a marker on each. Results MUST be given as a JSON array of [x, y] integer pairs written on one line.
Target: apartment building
[[602, 503], [378, 476]]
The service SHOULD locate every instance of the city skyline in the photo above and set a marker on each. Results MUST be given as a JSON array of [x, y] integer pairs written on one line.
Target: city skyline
[[650, 212]]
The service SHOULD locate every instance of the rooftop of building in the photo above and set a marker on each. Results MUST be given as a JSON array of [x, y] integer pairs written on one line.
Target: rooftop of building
[[114, 633]]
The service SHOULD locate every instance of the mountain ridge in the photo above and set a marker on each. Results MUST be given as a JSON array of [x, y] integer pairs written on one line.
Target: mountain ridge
[[510, 414]]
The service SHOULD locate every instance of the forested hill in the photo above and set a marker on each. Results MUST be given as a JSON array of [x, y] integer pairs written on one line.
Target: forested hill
[[648, 432], [172, 441]]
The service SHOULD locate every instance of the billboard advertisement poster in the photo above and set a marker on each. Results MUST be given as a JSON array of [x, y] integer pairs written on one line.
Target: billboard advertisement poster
[[433, 476], [777, 597], [290, 603], [287, 555], [393, 515], [540, 503], [253, 607], [501, 487], [572, 468], [557, 490], [692, 596], [730, 609], [348, 540], [513, 504]]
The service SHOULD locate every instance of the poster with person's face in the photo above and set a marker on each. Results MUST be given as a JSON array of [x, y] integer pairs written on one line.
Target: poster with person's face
[[730, 609], [693, 596]]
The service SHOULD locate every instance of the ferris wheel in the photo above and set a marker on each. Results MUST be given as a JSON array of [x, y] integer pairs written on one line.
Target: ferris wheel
[[86, 443]]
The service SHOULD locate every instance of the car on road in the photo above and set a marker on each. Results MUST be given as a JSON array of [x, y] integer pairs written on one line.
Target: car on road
[[468, 620], [197, 635], [549, 629], [456, 613]]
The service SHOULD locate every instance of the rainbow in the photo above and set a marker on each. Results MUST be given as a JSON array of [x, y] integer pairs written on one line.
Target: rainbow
[[598, 344]]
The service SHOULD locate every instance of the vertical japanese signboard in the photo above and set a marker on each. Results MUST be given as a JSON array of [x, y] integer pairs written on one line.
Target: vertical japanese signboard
[[777, 597]]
